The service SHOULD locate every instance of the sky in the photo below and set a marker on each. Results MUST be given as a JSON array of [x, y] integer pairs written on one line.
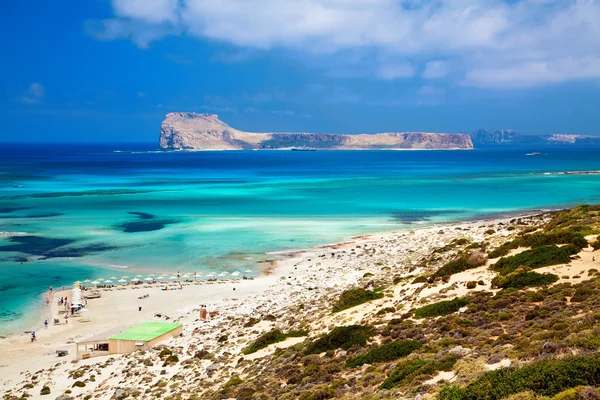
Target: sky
[[109, 70]]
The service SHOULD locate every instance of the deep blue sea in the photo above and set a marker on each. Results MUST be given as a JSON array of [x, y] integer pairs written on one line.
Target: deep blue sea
[[75, 212]]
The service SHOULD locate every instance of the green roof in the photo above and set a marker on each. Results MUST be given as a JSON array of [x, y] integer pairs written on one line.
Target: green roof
[[146, 331]]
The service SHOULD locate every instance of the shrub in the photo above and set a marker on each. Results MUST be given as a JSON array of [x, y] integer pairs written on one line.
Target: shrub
[[78, 384], [385, 352], [582, 293], [265, 340], [45, 390], [164, 353], [546, 377], [236, 380], [172, 359], [222, 339], [536, 258], [406, 371], [521, 279], [297, 333], [420, 279], [572, 235], [471, 285], [596, 244], [353, 297], [342, 337], [441, 308], [453, 267]]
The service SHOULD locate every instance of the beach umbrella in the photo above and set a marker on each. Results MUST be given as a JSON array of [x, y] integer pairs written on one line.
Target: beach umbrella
[[135, 280], [108, 281], [222, 274], [236, 273], [124, 277], [113, 277], [161, 277], [211, 274], [139, 276], [172, 277], [165, 275], [148, 279], [122, 280], [87, 281], [151, 275], [95, 283], [186, 276], [99, 279], [249, 271]]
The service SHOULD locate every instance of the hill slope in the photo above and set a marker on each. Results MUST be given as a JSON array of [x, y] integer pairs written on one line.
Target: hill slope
[[193, 131]]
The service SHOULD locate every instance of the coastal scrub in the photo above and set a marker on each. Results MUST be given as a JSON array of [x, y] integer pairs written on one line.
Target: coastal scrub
[[441, 308], [354, 297]]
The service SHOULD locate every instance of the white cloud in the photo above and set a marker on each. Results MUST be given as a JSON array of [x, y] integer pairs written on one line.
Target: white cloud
[[491, 43], [435, 69], [34, 94], [394, 71]]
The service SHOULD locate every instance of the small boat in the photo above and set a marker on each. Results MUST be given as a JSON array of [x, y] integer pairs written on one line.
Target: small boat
[[535, 153], [304, 148], [18, 186]]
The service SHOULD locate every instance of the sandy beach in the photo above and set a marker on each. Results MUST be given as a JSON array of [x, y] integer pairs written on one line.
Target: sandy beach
[[298, 288]]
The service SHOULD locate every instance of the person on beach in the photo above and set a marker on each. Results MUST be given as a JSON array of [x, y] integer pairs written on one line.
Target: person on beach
[[47, 301], [33, 337], [66, 319], [50, 289], [46, 324]]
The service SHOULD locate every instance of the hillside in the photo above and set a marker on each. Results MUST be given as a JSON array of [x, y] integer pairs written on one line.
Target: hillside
[[508, 136], [505, 309], [191, 131]]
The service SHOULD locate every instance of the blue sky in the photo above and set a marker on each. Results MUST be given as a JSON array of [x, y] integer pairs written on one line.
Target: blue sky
[[102, 70]]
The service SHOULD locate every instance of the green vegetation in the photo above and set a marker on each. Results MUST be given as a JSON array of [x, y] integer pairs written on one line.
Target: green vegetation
[[473, 260], [78, 384], [522, 278], [385, 352], [265, 340], [271, 337], [582, 293], [573, 235], [407, 371], [545, 377], [536, 258], [354, 297], [223, 339], [45, 390], [236, 380], [341, 337], [441, 308]]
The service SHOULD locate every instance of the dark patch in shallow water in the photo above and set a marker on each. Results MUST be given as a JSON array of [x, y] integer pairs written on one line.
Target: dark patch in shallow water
[[142, 215], [9, 209], [51, 248], [412, 216], [99, 192], [34, 245], [145, 223], [40, 215], [79, 251]]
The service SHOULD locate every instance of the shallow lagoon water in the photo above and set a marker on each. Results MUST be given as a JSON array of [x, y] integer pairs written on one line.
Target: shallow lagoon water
[[91, 212]]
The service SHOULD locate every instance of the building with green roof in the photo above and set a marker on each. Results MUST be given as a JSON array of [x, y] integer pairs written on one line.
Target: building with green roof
[[139, 337]]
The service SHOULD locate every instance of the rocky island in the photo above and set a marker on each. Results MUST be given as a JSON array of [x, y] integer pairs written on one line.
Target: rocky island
[[191, 131]]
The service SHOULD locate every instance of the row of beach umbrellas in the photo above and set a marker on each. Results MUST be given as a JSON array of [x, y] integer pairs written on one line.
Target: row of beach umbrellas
[[155, 277]]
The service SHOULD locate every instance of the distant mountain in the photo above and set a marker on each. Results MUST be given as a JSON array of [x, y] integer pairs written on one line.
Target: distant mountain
[[507, 136], [191, 131]]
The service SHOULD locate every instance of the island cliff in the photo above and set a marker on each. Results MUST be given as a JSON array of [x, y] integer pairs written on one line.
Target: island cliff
[[191, 131]]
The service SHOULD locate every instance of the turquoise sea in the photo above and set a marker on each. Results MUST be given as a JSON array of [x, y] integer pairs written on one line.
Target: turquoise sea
[[94, 211]]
